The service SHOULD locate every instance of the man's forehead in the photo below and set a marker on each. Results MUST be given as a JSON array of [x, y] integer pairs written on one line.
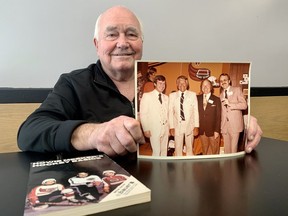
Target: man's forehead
[[118, 27], [224, 77], [181, 80], [116, 18], [160, 81]]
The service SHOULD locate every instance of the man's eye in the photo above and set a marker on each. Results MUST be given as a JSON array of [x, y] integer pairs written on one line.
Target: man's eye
[[132, 36], [111, 36]]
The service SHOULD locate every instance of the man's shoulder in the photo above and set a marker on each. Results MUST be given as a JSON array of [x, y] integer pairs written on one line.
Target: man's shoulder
[[172, 94], [147, 94], [191, 93], [214, 97], [82, 71], [79, 75], [165, 96], [235, 88]]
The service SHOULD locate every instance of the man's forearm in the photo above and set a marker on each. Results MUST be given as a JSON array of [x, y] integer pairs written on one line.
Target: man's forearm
[[80, 136]]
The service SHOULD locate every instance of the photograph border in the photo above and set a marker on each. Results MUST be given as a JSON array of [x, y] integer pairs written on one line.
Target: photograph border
[[141, 72]]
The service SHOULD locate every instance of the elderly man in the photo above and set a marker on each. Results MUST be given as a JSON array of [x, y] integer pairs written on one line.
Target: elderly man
[[93, 108]]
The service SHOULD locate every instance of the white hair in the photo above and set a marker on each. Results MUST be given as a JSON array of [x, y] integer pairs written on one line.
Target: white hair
[[96, 32]]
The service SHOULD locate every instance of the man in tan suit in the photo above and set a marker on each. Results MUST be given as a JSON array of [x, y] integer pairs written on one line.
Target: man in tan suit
[[233, 102], [154, 117], [183, 116]]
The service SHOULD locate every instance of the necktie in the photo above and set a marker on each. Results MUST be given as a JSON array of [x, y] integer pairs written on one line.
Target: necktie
[[160, 98], [181, 107], [205, 101], [226, 97]]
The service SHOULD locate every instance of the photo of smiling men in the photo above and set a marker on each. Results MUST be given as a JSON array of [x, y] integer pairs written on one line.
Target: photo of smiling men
[[203, 79]]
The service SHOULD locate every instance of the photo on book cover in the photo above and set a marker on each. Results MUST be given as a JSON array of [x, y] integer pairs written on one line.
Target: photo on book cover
[[192, 110], [81, 186]]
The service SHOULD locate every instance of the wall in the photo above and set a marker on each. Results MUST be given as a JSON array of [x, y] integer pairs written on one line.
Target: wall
[[39, 40], [171, 70]]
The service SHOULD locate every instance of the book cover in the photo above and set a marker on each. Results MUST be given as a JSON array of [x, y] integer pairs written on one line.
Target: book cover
[[81, 186], [192, 110]]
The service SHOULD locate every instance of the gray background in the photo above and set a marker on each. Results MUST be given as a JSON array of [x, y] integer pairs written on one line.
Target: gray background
[[40, 39]]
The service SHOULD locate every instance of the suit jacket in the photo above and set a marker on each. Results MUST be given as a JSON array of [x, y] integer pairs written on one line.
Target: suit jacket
[[153, 114], [210, 118], [233, 113], [190, 107]]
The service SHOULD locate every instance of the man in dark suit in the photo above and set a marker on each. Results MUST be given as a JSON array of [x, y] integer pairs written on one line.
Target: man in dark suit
[[209, 107]]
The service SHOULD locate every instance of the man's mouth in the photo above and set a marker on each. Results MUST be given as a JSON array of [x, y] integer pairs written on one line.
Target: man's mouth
[[122, 54]]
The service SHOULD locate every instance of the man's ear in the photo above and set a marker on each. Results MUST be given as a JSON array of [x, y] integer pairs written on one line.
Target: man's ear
[[95, 43]]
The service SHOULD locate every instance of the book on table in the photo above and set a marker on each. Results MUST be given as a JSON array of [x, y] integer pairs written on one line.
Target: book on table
[[81, 186]]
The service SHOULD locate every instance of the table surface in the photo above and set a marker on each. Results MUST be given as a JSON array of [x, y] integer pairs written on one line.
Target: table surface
[[254, 184]]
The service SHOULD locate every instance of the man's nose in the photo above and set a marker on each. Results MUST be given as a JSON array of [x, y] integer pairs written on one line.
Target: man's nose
[[122, 41]]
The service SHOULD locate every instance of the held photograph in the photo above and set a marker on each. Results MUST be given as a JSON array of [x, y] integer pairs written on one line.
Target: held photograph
[[192, 110]]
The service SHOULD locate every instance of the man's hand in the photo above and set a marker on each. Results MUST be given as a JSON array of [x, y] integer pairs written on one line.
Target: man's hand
[[216, 135], [115, 137], [195, 131], [172, 132], [254, 133], [147, 134], [225, 102]]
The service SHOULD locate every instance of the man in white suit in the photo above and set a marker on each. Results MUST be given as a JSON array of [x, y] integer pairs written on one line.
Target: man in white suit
[[154, 117], [183, 116]]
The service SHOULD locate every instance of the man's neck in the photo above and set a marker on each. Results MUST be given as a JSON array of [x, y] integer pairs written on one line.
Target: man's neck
[[126, 88], [227, 88], [124, 81]]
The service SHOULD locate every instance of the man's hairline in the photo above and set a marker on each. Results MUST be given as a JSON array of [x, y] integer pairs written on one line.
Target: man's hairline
[[96, 31]]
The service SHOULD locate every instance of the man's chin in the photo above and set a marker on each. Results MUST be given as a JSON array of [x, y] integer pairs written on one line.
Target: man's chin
[[124, 67], [123, 58], [124, 63]]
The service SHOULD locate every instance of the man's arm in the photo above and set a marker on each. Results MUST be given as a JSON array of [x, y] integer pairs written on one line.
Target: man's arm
[[116, 137], [144, 112], [241, 103], [49, 128], [46, 131]]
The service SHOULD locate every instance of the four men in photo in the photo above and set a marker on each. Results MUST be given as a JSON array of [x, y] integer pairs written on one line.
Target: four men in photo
[[187, 115]]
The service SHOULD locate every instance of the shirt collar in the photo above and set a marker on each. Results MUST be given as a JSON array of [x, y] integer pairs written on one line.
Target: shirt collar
[[228, 89], [207, 95], [180, 92], [156, 92]]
